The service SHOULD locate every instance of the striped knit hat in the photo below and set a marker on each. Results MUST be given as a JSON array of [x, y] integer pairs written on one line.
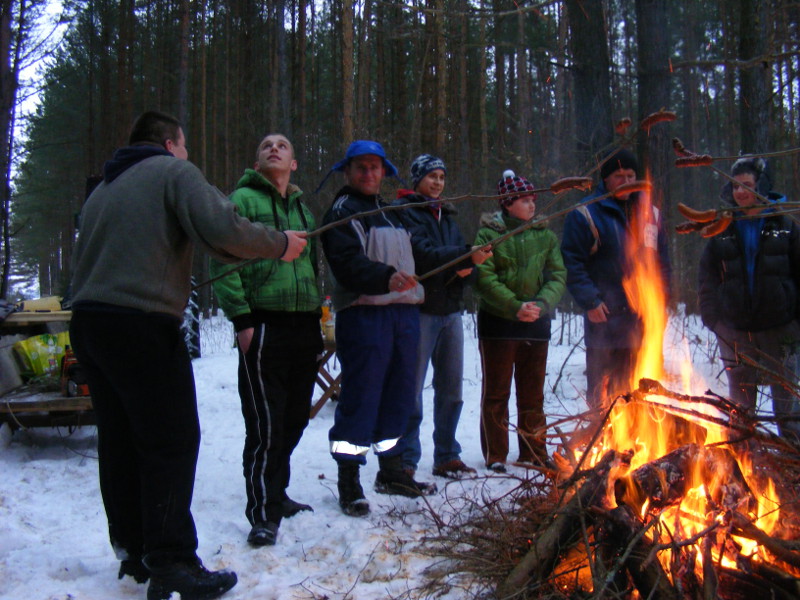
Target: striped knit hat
[[424, 164]]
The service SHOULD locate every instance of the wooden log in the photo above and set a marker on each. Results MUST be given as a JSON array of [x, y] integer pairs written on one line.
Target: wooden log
[[665, 481], [660, 482], [780, 549], [564, 530], [737, 584], [635, 555]]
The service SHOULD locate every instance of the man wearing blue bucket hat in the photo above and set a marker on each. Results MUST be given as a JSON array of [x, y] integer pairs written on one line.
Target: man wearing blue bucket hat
[[377, 298]]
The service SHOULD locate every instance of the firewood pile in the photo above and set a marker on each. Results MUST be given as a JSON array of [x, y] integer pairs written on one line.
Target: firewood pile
[[714, 514]]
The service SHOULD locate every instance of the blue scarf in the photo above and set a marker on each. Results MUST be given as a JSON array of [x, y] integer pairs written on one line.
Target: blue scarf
[[750, 234]]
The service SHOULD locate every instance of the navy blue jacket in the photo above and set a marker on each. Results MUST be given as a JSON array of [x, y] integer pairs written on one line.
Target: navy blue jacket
[[597, 277], [444, 292]]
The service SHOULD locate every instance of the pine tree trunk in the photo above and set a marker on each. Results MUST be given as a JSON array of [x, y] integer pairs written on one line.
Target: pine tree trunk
[[593, 117], [347, 71], [9, 79], [755, 82], [183, 63]]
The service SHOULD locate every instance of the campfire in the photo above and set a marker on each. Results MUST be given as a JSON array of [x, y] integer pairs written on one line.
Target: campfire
[[670, 495]]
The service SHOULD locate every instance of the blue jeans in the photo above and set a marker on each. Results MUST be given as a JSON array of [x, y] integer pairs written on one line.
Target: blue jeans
[[441, 342]]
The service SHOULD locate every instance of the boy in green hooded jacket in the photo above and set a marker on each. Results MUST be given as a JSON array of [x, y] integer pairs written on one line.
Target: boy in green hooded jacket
[[275, 310]]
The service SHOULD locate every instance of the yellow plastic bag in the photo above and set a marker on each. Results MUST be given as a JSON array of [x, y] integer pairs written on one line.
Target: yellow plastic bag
[[41, 354]]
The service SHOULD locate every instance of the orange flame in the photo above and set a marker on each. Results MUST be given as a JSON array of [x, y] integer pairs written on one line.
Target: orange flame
[[645, 289]]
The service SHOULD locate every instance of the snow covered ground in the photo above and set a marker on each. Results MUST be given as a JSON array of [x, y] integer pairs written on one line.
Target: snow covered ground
[[53, 537]]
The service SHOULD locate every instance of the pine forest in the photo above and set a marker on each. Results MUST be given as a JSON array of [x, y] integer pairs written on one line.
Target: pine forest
[[540, 87]]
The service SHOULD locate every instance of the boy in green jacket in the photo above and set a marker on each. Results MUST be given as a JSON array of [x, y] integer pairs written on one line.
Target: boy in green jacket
[[519, 287], [275, 310]]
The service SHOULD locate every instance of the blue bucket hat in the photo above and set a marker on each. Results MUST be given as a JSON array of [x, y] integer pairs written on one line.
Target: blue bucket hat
[[360, 148]]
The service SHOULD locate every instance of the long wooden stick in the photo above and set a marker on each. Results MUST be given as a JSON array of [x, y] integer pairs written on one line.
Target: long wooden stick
[[558, 187], [635, 186]]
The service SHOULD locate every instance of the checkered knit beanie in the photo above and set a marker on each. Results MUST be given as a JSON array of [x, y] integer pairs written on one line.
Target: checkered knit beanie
[[513, 183], [424, 164]]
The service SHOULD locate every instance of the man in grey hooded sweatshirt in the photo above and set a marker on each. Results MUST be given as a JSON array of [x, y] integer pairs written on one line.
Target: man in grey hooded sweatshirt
[[131, 280]]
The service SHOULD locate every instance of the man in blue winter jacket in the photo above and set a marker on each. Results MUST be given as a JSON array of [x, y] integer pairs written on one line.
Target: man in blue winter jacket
[[593, 246]]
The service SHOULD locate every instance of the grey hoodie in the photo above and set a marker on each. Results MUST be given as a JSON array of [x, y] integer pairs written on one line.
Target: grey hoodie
[[138, 234]]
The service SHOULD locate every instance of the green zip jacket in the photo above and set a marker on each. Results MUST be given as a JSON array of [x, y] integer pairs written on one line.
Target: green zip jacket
[[526, 267], [270, 285]]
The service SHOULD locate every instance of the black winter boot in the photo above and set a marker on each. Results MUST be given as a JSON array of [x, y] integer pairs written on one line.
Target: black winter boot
[[393, 479], [190, 579], [291, 508], [351, 495], [133, 567]]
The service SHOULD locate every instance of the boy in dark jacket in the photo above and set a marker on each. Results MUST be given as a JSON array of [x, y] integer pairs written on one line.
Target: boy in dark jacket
[[441, 330], [749, 282], [593, 246]]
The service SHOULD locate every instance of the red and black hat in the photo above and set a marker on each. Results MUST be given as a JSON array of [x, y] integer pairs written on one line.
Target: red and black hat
[[511, 183]]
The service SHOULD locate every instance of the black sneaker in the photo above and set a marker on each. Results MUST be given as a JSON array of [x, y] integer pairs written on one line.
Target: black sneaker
[[351, 494], [291, 508], [133, 567], [263, 534], [191, 580]]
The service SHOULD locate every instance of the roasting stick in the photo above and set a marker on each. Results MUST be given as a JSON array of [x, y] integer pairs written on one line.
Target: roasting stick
[[661, 116], [713, 221], [562, 185], [558, 187], [629, 188]]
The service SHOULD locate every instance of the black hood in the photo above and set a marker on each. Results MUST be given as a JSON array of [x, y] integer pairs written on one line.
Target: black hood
[[126, 157]]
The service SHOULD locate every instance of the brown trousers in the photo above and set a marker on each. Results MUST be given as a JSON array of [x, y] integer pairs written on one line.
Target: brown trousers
[[526, 361]]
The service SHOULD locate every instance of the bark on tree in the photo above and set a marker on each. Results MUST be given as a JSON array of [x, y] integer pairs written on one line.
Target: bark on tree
[[183, 63], [593, 117], [654, 86], [10, 49], [440, 53], [347, 71], [755, 83]]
